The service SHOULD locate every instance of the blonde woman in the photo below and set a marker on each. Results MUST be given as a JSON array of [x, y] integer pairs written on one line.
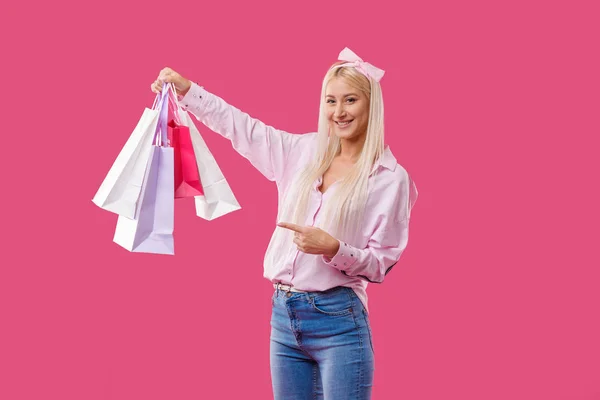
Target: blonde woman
[[344, 209]]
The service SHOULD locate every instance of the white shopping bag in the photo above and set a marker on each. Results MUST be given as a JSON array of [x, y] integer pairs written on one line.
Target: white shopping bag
[[218, 198], [152, 229], [120, 190]]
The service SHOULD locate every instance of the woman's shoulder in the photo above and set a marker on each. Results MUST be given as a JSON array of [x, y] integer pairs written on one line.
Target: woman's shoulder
[[391, 179], [389, 184], [389, 170], [309, 138], [394, 185], [300, 150]]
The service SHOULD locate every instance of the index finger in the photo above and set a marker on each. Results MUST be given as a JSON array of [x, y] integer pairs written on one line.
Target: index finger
[[290, 226]]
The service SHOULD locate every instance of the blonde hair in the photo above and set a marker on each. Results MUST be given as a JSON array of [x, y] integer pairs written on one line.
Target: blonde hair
[[344, 211]]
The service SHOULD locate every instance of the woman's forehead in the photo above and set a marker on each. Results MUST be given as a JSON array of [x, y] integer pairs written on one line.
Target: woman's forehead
[[339, 87]]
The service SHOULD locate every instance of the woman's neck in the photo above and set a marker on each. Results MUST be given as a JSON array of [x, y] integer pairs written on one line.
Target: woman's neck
[[350, 149]]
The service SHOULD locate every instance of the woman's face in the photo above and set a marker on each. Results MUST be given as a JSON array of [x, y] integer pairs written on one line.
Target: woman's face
[[347, 110]]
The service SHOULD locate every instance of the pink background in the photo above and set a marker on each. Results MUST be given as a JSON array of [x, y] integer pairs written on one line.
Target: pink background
[[493, 107]]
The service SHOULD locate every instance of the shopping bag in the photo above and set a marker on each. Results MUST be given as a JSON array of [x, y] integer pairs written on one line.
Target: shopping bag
[[120, 190], [152, 230], [187, 178], [218, 199]]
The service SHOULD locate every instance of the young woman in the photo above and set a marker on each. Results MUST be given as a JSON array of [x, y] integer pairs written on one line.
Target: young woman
[[344, 209]]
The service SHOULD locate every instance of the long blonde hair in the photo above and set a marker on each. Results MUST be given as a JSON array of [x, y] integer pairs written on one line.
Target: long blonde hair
[[344, 210]]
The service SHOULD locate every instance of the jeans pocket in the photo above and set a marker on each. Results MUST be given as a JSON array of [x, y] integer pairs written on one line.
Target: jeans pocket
[[336, 304], [366, 316]]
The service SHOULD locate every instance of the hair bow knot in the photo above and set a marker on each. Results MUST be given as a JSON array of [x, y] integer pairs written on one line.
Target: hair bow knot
[[364, 67]]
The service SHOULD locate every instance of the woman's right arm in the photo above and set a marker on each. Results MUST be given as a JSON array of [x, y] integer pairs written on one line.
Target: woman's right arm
[[267, 148]]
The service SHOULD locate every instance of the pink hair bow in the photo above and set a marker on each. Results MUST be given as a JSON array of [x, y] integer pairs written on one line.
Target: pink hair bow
[[365, 68]]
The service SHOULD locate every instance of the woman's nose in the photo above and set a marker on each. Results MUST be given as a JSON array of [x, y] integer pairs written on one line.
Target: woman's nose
[[339, 111]]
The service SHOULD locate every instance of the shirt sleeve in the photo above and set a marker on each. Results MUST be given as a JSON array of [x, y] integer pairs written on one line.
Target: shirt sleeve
[[386, 244], [265, 147]]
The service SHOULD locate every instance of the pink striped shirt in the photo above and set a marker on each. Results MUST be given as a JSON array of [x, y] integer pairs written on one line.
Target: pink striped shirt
[[370, 254]]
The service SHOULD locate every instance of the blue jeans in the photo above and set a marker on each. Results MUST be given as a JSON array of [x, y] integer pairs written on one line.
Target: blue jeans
[[321, 346]]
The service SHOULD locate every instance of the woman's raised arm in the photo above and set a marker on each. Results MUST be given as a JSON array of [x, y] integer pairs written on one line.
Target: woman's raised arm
[[267, 148]]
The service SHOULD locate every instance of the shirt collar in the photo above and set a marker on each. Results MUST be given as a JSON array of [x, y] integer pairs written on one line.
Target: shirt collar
[[387, 160]]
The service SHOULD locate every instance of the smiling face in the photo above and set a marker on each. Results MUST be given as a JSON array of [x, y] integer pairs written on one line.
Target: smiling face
[[347, 109]]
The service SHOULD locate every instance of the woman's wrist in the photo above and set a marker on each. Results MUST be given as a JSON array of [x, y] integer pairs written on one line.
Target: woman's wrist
[[186, 88], [333, 249]]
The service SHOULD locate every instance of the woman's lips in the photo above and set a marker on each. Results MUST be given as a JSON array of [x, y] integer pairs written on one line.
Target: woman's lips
[[343, 124]]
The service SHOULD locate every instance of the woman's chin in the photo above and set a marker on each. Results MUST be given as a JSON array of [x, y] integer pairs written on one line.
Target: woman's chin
[[345, 136], [342, 134]]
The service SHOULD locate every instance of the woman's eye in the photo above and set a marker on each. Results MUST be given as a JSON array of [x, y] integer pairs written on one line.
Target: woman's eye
[[352, 100], [330, 101]]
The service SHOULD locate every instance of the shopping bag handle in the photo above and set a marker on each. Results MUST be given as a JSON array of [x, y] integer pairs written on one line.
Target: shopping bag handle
[[173, 97], [157, 100], [176, 104], [160, 135]]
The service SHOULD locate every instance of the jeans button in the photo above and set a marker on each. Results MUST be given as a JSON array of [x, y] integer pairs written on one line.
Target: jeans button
[[289, 294]]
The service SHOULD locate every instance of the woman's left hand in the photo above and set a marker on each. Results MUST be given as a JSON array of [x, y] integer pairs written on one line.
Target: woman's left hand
[[312, 240]]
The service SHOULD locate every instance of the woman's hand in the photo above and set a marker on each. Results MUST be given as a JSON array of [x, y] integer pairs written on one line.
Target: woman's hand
[[182, 85], [312, 240]]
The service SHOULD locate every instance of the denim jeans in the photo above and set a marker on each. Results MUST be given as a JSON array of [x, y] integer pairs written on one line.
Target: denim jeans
[[321, 346]]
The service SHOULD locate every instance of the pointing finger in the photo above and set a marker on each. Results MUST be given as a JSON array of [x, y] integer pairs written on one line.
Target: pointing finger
[[290, 226]]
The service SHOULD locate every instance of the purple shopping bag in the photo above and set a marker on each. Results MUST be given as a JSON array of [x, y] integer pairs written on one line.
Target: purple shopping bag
[[152, 229]]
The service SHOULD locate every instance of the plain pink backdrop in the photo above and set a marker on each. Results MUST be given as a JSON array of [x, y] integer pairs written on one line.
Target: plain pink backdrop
[[493, 107]]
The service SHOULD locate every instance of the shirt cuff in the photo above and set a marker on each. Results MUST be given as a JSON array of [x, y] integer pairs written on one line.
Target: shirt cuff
[[193, 99], [344, 258]]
